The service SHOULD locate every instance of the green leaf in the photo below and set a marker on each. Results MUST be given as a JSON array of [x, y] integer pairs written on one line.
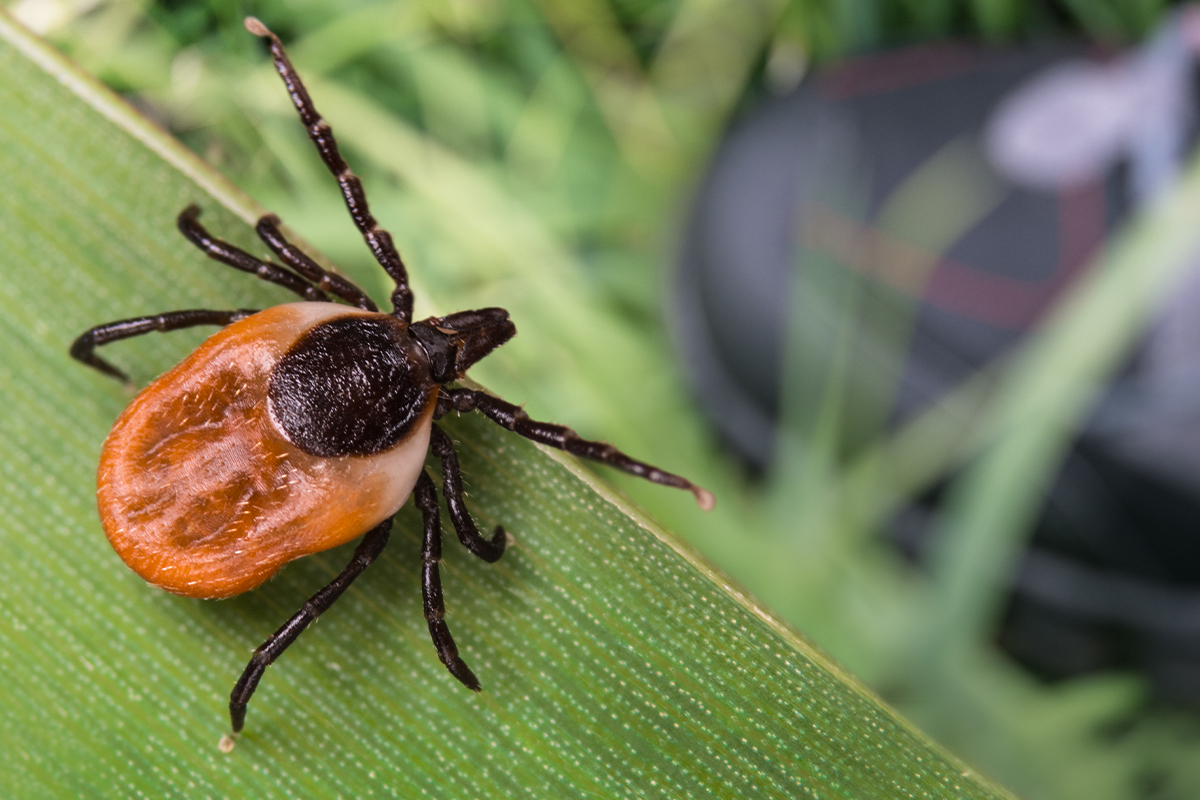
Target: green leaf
[[614, 661]]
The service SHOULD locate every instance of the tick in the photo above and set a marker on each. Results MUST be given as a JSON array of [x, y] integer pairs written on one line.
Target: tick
[[305, 426]]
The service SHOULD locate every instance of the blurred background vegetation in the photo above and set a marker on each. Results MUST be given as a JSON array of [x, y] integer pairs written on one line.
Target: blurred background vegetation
[[540, 155]]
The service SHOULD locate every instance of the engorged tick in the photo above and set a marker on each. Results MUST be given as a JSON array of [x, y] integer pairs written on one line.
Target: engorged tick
[[302, 427]]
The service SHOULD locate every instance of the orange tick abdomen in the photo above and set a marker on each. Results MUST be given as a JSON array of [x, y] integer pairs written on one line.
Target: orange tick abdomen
[[201, 493]]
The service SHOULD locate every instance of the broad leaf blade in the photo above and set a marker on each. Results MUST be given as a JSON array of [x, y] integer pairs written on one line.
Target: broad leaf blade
[[614, 662]]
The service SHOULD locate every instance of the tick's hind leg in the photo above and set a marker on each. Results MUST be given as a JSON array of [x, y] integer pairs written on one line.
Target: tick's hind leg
[[84, 348], [489, 550], [367, 551], [512, 417], [220, 250], [431, 584]]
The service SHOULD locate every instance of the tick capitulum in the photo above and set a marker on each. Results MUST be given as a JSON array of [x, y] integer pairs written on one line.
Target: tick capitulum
[[305, 426]]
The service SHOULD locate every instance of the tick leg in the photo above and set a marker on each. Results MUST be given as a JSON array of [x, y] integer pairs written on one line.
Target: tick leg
[[367, 551], [513, 418], [489, 550], [83, 349], [431, 584], [218, 250], [379, 240], [298, 260]]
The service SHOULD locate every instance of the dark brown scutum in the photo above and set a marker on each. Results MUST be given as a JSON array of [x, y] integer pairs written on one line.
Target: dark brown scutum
[[352, 385]]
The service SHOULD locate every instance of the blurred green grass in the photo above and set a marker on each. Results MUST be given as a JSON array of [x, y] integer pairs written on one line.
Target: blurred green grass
[[538, 154]]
